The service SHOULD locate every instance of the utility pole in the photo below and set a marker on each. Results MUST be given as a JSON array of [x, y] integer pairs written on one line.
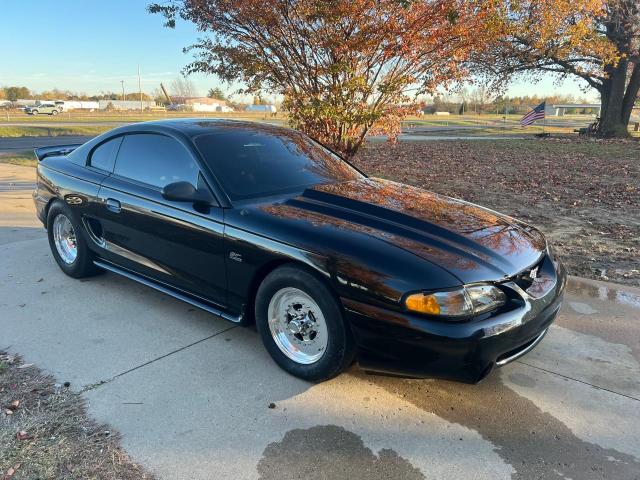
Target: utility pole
[[122, 83], [140, 88], [506, 111]]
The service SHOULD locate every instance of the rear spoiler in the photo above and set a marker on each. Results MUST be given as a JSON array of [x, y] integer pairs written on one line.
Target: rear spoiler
[[55, 151]]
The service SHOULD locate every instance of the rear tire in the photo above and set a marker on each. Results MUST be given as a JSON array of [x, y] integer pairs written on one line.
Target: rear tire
[[67, 242], [54, 112], [302, 326]]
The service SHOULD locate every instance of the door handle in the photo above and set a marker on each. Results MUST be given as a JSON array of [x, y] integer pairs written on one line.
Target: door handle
[[113, 205]]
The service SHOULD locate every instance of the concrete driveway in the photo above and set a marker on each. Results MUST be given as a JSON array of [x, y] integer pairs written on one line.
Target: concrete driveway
[[191, 394]]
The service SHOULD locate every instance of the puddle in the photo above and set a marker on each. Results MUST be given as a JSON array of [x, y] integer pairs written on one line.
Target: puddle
[[583, 308], [604, 293], [330, 451], [603, 310]]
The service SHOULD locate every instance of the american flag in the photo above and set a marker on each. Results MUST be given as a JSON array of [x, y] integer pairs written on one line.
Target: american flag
[[535, 114]]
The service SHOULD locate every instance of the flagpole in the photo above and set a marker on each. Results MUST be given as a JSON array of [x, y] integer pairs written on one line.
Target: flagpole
[[544, 119]]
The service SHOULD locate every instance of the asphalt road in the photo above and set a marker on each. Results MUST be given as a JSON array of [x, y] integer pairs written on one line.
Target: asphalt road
[[14, 144], [70, 123], [411, 132], [191, 393], [29, 143]]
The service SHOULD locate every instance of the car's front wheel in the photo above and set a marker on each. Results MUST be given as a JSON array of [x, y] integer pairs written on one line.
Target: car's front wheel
[[67, 244], [302, 326], [34, 112]]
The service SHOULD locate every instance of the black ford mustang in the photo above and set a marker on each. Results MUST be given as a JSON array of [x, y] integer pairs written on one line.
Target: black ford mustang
[[256, 223]]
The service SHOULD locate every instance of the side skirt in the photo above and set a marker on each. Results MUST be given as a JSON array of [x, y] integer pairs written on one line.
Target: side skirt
[[168, 291]]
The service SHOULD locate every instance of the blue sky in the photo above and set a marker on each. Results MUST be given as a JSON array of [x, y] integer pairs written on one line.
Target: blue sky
[[90, 46]]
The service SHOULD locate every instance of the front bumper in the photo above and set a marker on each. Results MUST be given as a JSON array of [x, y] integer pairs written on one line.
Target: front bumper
[[401, 343]]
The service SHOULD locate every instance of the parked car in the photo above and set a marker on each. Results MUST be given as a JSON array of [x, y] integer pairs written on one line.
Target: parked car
[[48, 108], [257, 223]]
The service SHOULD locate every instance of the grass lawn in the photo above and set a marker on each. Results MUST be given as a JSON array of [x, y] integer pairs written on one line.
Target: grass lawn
[[25, 158], [584, 194], [104, 116], [42, 131], [45, 431]]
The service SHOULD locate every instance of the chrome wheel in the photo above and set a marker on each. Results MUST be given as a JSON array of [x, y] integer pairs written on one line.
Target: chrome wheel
[[64, 237], [297, 325]]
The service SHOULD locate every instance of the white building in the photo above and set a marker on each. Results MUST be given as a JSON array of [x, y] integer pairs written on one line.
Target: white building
[[125, 104], [202, 104], [66, 105], [261, 108]]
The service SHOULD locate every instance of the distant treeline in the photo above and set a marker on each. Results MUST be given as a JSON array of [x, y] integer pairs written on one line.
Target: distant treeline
[[14, 93], [480, 102], [181, 88]]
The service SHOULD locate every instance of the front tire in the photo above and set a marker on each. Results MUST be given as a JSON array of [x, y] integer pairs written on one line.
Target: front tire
[[67, 243], [302, 326]]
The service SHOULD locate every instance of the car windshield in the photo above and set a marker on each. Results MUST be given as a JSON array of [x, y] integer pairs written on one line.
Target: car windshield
[[253, 163]]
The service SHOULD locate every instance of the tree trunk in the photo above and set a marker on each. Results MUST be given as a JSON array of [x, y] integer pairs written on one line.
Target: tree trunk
[[612, 122], [633, 88]]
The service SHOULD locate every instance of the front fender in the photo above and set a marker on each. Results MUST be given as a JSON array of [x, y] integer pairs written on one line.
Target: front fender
[[368, 271]]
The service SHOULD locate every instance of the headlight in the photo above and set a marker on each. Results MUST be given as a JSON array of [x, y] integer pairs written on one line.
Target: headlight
[[461, 302]]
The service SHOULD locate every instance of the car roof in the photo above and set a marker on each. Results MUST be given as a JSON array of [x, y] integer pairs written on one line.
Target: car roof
[[194, 127]]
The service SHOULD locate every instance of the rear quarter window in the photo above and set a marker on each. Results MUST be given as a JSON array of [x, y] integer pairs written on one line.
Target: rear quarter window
[[104, 156], [156, 160]]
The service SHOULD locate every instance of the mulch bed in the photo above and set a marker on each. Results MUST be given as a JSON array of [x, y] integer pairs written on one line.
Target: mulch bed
[[45, 432]]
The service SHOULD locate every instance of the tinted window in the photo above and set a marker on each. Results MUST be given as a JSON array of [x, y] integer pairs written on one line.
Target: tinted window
[[252, 163], [155, 159], [104, 156]]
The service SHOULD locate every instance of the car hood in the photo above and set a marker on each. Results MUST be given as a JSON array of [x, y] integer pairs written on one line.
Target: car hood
[[471, 242]]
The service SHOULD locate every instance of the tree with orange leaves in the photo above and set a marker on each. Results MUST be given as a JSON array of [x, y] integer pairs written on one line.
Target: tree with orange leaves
[[344, 67], [595, 40]]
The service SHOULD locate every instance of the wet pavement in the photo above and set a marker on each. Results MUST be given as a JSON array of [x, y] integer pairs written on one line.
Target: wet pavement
[[191, 394]]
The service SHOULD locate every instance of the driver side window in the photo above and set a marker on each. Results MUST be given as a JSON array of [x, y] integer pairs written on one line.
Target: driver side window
[[155, 160]]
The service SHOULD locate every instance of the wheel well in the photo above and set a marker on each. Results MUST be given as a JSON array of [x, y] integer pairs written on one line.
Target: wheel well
[[47, 208], [269, 267]]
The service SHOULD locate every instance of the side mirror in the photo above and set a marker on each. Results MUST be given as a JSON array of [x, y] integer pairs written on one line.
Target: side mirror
[[185, 192]]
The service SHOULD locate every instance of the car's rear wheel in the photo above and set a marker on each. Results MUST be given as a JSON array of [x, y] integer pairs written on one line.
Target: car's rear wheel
[[54, 112], [67, 243], [302, 326]]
